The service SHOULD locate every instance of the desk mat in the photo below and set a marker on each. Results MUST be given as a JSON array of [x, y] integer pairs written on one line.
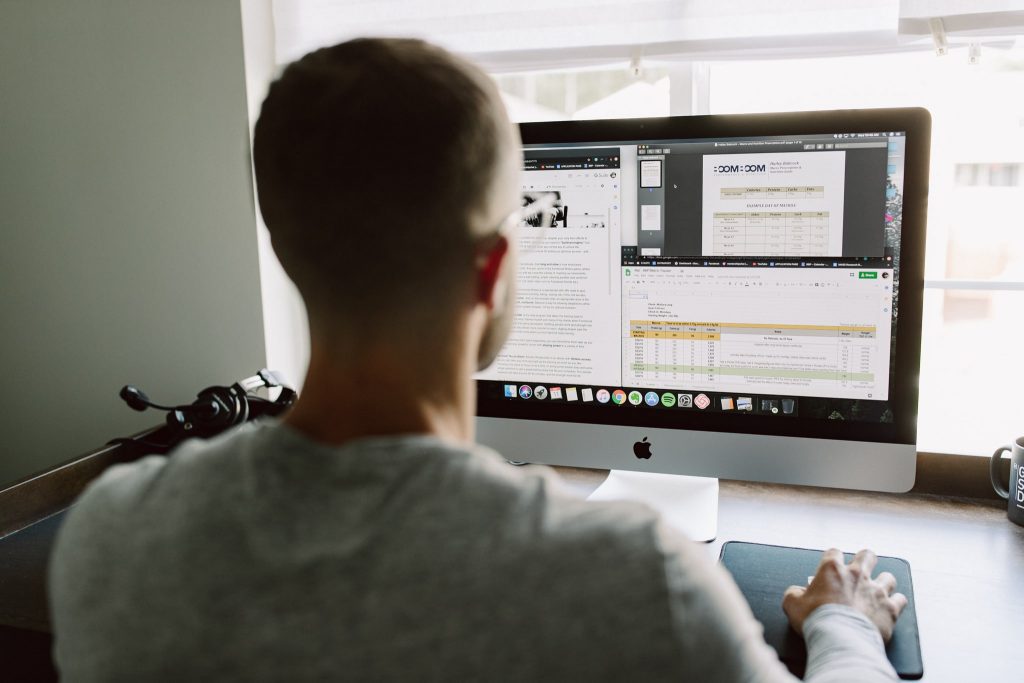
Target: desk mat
[[764, 572]]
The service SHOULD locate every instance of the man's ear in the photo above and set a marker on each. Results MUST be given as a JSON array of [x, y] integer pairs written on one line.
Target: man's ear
[[491, 259]]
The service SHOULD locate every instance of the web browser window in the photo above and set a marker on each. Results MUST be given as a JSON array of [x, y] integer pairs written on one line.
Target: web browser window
[[567, 318]]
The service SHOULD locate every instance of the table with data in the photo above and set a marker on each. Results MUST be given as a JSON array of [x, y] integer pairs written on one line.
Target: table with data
[[774, 192], [770, 233], [731, 356]]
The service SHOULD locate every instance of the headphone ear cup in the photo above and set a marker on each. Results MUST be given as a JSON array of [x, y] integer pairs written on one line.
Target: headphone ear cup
[[228, 409], [242, 403]]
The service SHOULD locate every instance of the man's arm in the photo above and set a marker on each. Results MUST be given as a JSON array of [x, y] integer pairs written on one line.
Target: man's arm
[[722, 641], [844, 616]]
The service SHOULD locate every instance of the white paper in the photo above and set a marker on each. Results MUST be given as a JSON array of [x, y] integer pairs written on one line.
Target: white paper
[[689, 504], [650, 173], [773, 204], [650, 217]]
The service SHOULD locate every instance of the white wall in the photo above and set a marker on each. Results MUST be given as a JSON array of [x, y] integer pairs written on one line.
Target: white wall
[[129, 249]]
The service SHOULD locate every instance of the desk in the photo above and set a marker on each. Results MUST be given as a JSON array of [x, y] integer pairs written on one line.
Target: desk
[[967, 561]]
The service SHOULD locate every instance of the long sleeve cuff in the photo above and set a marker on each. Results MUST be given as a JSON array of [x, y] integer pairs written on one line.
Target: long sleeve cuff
[[843, 645]]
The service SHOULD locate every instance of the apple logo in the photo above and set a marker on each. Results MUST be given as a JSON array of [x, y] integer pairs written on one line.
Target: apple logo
[[642, 449]]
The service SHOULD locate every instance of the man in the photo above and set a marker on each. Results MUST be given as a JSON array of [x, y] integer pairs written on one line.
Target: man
[[366, 537]]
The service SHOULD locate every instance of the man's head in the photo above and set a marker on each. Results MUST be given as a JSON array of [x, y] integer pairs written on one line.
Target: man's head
[[385, 169]]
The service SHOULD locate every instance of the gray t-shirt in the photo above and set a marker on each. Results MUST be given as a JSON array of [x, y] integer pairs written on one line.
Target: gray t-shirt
[[263, 556]]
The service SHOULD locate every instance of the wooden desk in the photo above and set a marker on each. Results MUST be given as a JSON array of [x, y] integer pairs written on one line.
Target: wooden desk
[[967, 561], [966, 558]]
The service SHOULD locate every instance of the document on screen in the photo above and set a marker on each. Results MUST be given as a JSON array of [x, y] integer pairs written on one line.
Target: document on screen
[[567, 312], [773, 204]]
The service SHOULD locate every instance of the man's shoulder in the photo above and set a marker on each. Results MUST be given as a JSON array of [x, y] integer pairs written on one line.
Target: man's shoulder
[[122, 486], [539, 506], [110, 505]]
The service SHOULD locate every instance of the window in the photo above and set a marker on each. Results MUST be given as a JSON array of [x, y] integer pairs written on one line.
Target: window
[[591, 94], [974, 303], [990, 175]]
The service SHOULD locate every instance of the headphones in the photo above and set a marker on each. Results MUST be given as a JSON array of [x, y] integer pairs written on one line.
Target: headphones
[[218, 408]]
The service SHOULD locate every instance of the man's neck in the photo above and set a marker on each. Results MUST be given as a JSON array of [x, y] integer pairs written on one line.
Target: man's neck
[[384, 392]]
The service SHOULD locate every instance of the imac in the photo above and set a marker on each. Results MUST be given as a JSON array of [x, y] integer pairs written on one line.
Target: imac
[[717, 296]]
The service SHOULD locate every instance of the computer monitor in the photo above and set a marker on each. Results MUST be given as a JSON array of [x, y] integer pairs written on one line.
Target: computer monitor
[[719, 296]]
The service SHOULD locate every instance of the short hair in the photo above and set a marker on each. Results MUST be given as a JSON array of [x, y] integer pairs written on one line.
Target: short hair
[[372, 160]]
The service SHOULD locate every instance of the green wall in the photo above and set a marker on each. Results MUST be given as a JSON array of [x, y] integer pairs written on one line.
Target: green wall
[[128, 249]]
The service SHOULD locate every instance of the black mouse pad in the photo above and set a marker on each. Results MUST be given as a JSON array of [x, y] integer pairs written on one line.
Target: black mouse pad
[[764, 572]]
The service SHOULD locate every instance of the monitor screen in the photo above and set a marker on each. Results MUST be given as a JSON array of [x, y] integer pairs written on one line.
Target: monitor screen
[[735, 274]]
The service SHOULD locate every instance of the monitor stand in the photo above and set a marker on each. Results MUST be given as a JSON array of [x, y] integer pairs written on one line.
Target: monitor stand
[[688, 504]]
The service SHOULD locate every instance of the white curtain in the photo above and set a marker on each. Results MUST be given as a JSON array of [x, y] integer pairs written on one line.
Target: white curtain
[[522, 35]]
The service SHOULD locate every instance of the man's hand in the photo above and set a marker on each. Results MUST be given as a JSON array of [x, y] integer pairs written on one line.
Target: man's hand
[[839, 583]]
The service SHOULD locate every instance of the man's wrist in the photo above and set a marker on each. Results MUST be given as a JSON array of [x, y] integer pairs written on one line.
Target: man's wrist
[[849, 617]]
